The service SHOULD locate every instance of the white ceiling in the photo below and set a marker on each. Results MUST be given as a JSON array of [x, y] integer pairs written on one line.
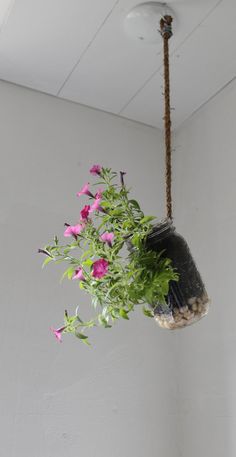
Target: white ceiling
[[78, 50]]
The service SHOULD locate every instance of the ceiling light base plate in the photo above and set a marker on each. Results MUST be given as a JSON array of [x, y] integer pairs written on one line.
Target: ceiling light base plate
[[142, 23]]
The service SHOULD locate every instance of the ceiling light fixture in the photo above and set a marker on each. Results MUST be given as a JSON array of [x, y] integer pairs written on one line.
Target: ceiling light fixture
[[141, 23]]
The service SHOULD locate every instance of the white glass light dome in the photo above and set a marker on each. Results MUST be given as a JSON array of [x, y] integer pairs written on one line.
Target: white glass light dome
[[142, 22]]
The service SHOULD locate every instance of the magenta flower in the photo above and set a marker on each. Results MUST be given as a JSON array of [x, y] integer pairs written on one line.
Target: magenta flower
[[96, 206], [58, 333], [73, 230], [100, 268], [85, 212], [79, 274], [107, 237], [85, 191], [95, 170], [99, 194]]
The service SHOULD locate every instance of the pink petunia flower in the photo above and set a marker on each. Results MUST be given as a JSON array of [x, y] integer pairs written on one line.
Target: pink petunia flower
[[79, 274], [85, 212], [58, 332], [73, 230], [96, 206], [99, 194], [100, 268], [107, 237], [85, 191], [96, 170]]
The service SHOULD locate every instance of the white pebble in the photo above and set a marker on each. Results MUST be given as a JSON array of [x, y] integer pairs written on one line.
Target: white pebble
[[176, 311], [184, 309], [192, 300]]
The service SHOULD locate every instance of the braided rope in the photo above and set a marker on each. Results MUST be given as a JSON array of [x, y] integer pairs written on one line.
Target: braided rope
[[166, 32]]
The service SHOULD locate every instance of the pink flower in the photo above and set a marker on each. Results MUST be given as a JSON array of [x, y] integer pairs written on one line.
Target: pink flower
[[96, 206], [58, 333], [107, 237], [73, 230], [85, 212], [99, 194], [79, 274], [95, 170], [100, 268], [85, 191]]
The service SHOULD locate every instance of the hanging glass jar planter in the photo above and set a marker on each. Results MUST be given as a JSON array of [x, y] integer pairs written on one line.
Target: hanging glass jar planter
[[187, 300]]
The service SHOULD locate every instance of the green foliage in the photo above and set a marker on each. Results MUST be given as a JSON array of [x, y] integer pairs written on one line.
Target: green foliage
[[141, 277]]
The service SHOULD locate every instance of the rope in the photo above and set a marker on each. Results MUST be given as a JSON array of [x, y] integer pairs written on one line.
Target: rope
[[166, 32]]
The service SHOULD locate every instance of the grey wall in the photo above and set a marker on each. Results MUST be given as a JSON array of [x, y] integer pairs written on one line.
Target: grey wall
[[118, 398], [205, 193], [139, 390]]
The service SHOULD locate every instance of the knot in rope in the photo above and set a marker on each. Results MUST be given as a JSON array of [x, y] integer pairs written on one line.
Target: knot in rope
[[166, 27]]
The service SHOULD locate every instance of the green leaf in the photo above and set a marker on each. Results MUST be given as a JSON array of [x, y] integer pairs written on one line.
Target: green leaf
[[86, 253], [146, 219], [127, 224], [106, 205], [115, 313], [149, 295], [81, 336], [135, 204], [104, 221], [47, 260], [147, 312], [87, 263], [117, 212], [136, 240], [123, 314], [102, 321], [69, 273]]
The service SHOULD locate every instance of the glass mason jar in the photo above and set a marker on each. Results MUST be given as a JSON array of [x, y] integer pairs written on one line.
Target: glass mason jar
[[187, 300]]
